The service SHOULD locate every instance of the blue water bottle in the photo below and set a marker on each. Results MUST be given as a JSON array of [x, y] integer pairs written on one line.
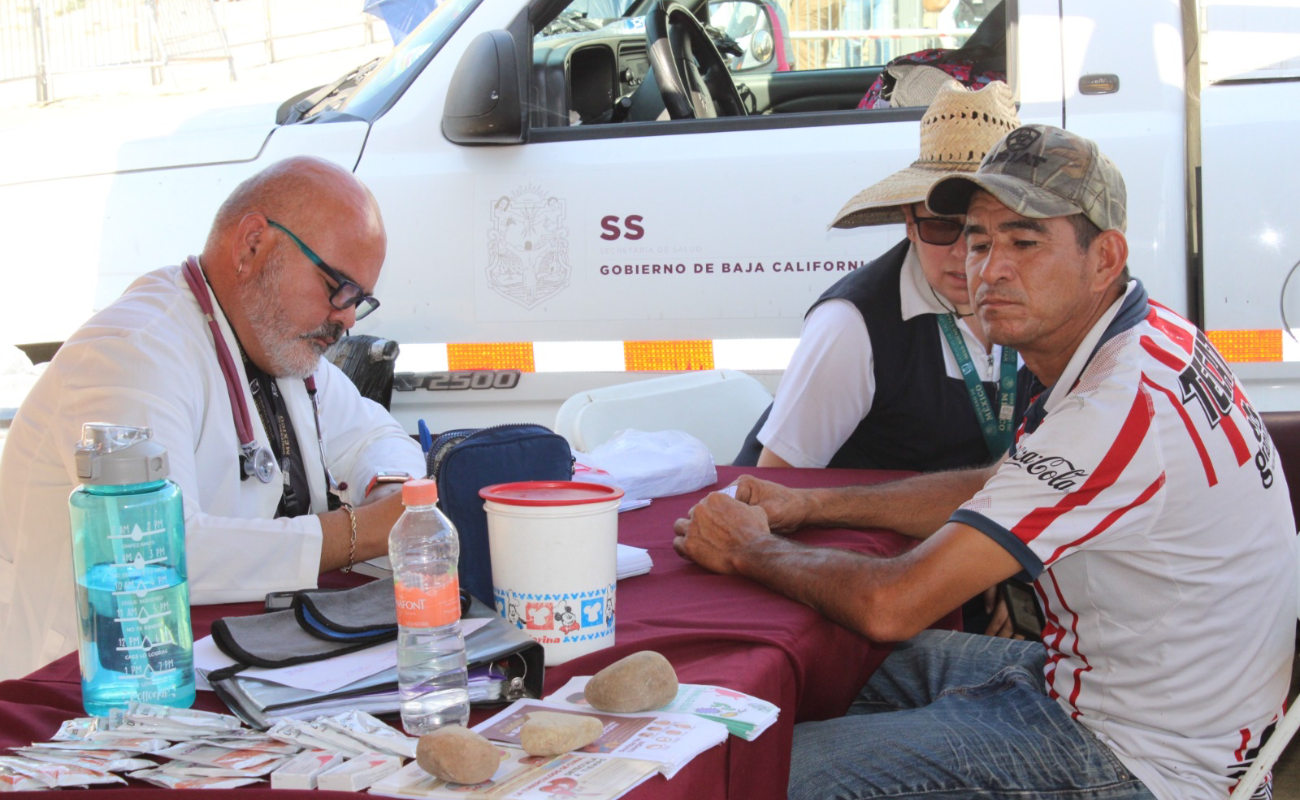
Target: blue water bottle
[[128, 550]]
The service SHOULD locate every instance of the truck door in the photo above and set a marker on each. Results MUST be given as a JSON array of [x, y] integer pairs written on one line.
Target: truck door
[[1249, 100], [615, 239]]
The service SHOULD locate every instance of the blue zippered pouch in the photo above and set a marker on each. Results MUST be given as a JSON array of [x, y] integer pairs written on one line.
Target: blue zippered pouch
[[464, 461]]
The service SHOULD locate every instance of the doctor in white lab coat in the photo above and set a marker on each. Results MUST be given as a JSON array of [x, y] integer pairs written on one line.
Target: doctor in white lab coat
[[151, 359]]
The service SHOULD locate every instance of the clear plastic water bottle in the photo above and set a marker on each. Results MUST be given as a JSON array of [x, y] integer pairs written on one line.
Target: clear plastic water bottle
[[128, 552], [431, 674]]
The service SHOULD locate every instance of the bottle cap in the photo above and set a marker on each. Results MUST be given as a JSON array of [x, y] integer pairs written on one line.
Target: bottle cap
[[119, 455], [419, 492]]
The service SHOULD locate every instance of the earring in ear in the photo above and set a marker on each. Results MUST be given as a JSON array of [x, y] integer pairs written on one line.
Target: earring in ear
[[240, 269]]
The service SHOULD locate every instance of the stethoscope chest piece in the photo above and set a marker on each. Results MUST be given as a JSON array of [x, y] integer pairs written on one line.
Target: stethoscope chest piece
[[258, 462]]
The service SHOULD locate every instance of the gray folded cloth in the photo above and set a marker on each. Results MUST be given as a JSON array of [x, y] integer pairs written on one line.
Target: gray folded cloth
[[917, 84], [273, 640], [367, 612], [321, 624]]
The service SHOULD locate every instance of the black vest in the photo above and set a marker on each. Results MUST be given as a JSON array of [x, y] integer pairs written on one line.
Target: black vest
[[920, 419]]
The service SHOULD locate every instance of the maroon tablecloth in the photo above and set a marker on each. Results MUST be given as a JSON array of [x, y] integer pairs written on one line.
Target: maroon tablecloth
[[715, 629]]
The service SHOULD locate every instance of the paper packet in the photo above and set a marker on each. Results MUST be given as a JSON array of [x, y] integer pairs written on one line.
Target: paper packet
[[58, 775], [300, 772], [159, 778], [247, 762], [101, 760], [359, 773], [373, 732]]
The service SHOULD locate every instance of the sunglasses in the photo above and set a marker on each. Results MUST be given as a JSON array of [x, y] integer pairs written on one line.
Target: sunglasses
[[937, 230], [347, 293]]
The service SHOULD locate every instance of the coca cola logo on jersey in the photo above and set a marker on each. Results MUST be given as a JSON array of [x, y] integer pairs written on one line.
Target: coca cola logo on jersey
[[1057, 472]]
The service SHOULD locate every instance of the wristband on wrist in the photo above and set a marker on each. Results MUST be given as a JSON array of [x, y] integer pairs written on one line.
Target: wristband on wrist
[[387, 476]]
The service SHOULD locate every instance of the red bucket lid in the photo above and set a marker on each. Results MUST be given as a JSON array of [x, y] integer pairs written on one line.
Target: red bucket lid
[[549, 493]]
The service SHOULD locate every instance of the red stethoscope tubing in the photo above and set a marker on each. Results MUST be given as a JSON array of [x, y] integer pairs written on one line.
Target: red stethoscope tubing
[[243, 422]]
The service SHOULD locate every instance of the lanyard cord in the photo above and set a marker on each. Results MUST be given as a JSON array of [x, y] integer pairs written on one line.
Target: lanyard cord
[[945, 307], [243, 423], [996, 429]]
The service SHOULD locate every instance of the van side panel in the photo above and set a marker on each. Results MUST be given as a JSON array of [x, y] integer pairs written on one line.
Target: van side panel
[[1140, 126], [1252, 239]]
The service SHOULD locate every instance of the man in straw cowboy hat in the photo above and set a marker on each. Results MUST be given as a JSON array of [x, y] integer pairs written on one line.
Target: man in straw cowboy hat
[[1142, 495], [891, 371]]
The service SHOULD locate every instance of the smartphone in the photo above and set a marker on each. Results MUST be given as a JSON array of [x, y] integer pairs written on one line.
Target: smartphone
[[278, 601], [1022, 606]]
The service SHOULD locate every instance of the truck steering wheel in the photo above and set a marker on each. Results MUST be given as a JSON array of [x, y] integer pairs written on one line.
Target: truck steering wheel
[[691, 74]]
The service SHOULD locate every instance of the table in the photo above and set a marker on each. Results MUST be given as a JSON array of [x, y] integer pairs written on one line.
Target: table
[[715, 629]]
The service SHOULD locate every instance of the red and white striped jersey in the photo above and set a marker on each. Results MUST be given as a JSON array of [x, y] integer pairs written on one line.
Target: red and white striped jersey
[[1144, 497]]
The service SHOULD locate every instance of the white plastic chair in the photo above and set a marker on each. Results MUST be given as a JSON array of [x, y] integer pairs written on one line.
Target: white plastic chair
[[1270, 752], [717, 407]]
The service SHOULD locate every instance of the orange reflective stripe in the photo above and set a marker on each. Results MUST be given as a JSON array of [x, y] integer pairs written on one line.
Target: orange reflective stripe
[[493, 355], [1242, 346], [668, 356], [598, 356]]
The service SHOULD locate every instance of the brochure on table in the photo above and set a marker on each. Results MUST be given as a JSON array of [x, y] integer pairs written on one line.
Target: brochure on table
[[525, 777], [669, 740], [744, 716]]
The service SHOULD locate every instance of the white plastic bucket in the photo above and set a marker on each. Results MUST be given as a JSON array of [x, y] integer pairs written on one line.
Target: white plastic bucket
[[554, 547]]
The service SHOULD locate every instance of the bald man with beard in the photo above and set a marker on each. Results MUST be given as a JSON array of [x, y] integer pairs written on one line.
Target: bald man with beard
[[292, 259]]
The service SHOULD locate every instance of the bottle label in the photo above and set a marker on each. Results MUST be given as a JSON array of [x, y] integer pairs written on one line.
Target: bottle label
[[432, 605]]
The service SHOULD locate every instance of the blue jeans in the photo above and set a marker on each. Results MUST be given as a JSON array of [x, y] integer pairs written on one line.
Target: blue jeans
[[955, 715]]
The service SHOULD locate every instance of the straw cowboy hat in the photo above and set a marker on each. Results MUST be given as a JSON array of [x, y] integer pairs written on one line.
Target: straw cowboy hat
[[957, 130]]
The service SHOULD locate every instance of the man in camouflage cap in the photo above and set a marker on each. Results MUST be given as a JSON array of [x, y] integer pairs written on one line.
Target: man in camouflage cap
[[1142, 496]]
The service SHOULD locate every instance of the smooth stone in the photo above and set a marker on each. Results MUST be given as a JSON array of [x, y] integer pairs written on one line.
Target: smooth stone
[[458, 755], [548, 733], [642, 681]]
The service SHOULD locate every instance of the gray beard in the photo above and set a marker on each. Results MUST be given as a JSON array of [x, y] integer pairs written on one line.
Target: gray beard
[[289, 356]]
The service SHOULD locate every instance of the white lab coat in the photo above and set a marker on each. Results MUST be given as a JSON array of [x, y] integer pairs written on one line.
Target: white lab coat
[[148, 360]]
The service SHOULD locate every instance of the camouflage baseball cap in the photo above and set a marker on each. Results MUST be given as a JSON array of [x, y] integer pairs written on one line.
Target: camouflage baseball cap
[[1041, 171]]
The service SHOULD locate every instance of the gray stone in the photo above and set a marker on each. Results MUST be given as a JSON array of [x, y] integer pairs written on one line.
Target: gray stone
[[550, 733], [643, 681], [458, 755]]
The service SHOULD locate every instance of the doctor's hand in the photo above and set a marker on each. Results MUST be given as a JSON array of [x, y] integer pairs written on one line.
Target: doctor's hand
[[717, 530], [786, 509]]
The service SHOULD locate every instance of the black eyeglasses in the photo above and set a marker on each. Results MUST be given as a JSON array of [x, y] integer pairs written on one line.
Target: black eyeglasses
[[937, 230], [347, 293]]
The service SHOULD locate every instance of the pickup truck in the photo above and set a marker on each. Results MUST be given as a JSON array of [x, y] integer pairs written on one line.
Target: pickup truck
[[564, 214]]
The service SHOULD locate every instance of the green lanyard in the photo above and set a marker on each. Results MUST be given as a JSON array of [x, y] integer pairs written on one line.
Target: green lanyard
[[997, 431]]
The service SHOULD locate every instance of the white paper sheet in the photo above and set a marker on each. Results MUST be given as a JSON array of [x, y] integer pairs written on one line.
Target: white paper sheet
[[633, 561]]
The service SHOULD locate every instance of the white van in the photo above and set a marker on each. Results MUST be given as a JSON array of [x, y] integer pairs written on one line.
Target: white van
[[552, 227]]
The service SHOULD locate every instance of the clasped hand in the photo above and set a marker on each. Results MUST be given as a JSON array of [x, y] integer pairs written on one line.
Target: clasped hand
[[719, 530]]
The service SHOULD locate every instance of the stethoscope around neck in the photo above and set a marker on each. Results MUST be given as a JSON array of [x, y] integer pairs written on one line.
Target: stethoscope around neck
[[255, 460]]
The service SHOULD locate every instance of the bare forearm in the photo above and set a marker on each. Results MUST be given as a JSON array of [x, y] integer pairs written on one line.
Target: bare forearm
[[374, 521], [886, 599], [840, 585], [916, 506]]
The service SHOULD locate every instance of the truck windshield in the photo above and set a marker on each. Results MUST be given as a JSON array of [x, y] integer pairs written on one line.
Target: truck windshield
[[581, 16], [395, 72]]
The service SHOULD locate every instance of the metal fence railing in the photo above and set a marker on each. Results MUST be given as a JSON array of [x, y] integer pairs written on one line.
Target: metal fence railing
[[40, 39], [859, 33], [45, 38], [20, 40]]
